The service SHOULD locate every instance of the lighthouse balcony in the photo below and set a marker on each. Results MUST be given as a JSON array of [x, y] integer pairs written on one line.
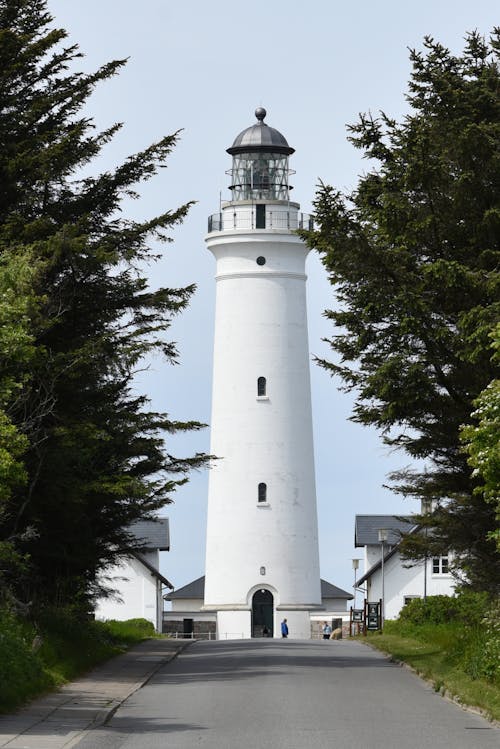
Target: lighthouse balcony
[[259, 217]]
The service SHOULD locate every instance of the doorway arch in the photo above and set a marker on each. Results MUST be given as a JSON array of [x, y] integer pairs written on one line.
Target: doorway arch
[[262, 613]]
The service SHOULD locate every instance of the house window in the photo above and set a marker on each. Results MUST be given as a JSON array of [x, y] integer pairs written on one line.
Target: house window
[[262, 493], [261, 386], [440, 565]]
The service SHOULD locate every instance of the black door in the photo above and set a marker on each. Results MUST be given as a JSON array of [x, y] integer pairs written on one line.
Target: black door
[[188, 628], [262, 614]]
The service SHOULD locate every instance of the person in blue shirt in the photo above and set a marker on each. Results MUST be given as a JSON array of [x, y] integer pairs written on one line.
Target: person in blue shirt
[[284, 628], [327, 631]]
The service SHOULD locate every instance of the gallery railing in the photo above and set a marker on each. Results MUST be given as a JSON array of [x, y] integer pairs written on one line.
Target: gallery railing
[[253, 220]]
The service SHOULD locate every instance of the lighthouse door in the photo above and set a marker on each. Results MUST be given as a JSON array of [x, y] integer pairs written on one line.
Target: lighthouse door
[[262, 613]]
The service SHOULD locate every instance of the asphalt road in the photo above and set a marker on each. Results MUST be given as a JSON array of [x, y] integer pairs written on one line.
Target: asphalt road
[[260, 694]]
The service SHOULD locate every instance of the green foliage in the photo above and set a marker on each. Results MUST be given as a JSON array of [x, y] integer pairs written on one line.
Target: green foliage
[[130, 630], [413, 254], [482, 444], [17, 302], [490, 651], [21, 669], [63, 644], [465, 627], [468, 608], [82, 456]]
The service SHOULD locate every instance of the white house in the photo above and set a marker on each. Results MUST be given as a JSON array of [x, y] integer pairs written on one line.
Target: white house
[[401, 580], [137, 580]]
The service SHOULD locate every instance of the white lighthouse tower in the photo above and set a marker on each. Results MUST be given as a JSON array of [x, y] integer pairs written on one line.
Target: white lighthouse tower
[[262, 560]]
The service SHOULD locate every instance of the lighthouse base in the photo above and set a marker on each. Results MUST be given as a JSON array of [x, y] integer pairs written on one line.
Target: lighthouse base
[[237, 624], [233, 625], [259, 617], [299, 624]]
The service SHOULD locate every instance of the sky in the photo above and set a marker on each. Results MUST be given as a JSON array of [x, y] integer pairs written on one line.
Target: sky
[[202, 68]]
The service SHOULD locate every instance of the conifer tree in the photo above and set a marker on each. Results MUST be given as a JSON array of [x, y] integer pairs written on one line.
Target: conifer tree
[[413, 256], [94, 458]]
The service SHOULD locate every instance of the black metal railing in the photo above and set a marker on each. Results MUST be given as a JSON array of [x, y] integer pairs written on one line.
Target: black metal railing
[[249, 220]]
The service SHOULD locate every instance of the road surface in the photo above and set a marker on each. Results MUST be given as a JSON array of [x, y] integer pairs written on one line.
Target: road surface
[[272, 694]]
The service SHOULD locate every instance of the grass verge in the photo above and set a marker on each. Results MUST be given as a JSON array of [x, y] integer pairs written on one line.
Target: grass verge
[[441, 654]]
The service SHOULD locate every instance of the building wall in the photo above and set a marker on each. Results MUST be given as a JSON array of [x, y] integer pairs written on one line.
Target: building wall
[[187, 604], [336, 604], [233, 625], [203, 628], [138, 594], [401, 582], [372, 554], [261, 330]]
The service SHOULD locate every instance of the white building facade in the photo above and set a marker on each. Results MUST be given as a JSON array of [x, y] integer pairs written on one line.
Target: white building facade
[[398, 581], [138, 585], [262, 559]]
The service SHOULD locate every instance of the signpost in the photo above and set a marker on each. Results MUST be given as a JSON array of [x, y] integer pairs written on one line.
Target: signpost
[[367, 619], [373, 616], [357, 621]]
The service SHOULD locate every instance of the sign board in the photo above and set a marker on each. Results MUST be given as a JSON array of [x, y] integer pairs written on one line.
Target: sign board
[[373, 616], [357, 615]]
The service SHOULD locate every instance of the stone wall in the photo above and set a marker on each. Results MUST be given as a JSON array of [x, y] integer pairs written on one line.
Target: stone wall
[[202, 629], [317, 627]]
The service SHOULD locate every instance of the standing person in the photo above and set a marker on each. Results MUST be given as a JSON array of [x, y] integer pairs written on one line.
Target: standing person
[[284, 628], [327, 631]]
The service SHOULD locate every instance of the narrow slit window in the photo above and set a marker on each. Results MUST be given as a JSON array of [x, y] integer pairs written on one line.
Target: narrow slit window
[[261, 386], [262, 493]]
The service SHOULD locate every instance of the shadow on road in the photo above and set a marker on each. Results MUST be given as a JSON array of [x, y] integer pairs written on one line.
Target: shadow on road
[[252, 659]]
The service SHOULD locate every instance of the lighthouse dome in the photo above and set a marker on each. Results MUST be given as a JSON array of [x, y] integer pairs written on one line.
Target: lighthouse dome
[[260, 137]]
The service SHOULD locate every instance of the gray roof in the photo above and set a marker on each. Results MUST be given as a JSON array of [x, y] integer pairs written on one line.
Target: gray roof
[[367, 527], [260, 137], [331, 591], [196, 589], [152, 534]]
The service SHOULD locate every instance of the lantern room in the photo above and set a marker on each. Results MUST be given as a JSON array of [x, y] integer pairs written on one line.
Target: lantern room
[[260, 168]]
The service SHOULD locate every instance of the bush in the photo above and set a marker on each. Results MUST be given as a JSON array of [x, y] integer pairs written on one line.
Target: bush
[[22, 673], [482, 653], [466, 627], [468, 609], [131, 630]]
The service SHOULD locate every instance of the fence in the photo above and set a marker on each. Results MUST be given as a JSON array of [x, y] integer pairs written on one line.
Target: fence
[[251, 220]]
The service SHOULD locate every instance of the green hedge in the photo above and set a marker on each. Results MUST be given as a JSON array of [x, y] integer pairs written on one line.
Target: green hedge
[[466, 608]]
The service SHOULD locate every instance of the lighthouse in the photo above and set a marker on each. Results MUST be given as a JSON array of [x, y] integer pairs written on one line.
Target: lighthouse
[[262, 558]]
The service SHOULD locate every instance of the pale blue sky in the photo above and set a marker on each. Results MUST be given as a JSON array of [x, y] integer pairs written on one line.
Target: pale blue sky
[[204, 67]]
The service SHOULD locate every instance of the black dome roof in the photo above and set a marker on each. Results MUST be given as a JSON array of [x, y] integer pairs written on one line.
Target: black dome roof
[[260, 137]]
